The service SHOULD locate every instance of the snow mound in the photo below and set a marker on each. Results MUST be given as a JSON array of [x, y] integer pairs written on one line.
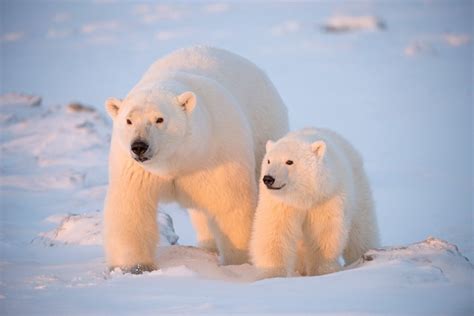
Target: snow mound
[[429, 261], [343, 24], [190, 261], [86, 229], [434, 259], [202, 263]]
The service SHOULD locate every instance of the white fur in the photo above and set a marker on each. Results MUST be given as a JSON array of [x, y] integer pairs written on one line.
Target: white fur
[[218, 111], [323, 210]]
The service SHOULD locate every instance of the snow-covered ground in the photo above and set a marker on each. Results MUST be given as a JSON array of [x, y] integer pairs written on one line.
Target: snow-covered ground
[[393, 77]]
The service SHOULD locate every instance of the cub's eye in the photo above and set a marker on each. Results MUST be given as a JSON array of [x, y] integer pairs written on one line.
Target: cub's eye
[[159, 120], [129, 122], [268, 161], [289, 162]]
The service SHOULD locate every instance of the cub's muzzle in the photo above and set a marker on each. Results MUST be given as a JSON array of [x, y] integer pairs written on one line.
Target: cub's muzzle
[[268, 180]]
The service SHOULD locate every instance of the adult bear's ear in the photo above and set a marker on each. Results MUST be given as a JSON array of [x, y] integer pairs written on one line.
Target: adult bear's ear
[[269, 145], [318, 148], [187, 101], [112, 105]]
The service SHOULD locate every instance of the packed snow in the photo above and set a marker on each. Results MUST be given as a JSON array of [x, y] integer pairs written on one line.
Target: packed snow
[[86, 229], [353, 23], [393, 78]]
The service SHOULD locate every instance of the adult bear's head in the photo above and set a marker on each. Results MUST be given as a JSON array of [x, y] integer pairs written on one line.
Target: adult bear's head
[[155, 127]]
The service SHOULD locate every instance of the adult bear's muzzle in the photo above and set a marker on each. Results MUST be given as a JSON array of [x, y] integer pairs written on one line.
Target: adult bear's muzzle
[[139, 148]]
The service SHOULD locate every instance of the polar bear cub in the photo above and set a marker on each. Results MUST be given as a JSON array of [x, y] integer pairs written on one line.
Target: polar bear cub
[[315, 204]]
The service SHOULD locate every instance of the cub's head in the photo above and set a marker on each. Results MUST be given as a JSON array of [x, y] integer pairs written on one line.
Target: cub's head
[[294, 172], [151, 126]]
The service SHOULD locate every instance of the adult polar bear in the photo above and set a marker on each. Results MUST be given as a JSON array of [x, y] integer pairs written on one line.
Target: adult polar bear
[[193, 130]]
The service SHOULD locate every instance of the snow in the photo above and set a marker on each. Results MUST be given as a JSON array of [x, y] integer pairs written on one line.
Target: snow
[[401, 94], [419, 48], [286, 27], [457, 39], [12, 37], [343, 23], [86, 229]]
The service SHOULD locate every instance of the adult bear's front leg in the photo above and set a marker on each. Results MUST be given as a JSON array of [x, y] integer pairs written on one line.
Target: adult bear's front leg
[[326, 236], [130, 228]]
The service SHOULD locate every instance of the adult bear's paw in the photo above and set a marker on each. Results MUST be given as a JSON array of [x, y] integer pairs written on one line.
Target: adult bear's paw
[[135, 269]]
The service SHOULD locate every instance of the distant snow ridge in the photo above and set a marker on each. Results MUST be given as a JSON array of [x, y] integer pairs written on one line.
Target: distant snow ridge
[[287, 27], [419, 47], [12, 99], [15, 107], [431, 45], [12, 37], [54, 147], [86, 229], [344, 23], [456, 39]]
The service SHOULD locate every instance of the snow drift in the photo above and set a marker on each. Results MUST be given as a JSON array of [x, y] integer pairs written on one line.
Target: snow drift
[[345, 23]]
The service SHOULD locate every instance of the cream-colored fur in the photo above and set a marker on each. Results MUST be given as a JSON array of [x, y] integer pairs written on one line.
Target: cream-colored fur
[[322, 210], [205, 238], [216, 110]]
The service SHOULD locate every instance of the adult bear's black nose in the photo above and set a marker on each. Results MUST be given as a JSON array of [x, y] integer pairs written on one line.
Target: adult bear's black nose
[[139, 147], [268, 180]]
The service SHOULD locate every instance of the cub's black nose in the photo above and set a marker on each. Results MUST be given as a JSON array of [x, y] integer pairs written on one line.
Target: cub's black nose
[[268, 180], [139, 147]]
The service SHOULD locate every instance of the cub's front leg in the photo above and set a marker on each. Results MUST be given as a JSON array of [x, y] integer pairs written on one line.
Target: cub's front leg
[[276, 230], [325, 236], [130, 228]]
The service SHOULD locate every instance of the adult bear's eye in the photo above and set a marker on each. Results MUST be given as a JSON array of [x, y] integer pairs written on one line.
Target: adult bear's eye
[[159, 120], [129, 122], [289, 162]]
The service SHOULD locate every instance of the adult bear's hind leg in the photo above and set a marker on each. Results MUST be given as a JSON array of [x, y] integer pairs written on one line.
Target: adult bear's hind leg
[[231, 211], [205, 238]]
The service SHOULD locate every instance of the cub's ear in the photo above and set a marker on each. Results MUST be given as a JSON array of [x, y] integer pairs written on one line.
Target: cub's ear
[[269, 145], [112, 105], [187, 100], [318, 148]]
